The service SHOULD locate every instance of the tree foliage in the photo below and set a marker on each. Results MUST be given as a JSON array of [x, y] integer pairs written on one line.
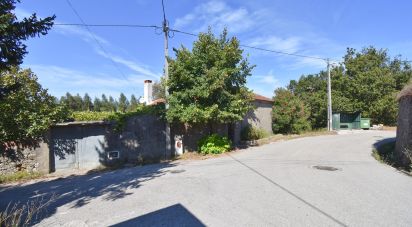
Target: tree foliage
[[208, 84], [289, 114], [27, 113], [159, 89], [14, 32], [365, 81]]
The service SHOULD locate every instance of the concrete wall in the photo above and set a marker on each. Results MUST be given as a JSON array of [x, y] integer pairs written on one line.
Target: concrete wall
[[403, 150], [86, 145], [143, 139], [261, 117], [191, 134]]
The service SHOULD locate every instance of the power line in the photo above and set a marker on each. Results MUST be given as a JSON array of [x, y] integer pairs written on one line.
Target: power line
[[187, 33], [96, 40], [259, 48], [109, 25]]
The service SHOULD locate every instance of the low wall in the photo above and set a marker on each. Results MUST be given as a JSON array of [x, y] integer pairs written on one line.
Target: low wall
[[88, 145], [191, 134], [29, 159]]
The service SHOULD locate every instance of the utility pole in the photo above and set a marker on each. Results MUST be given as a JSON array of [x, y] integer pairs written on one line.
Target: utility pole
[[166, 75], [329, 98]]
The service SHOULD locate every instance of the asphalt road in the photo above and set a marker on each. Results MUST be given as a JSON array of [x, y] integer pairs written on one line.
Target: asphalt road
[[271, 185]]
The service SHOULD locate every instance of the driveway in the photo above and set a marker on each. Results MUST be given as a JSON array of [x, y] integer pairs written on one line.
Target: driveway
[[271, 185]]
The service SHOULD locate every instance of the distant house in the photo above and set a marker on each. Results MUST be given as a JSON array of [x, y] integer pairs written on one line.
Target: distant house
[[261, 116]]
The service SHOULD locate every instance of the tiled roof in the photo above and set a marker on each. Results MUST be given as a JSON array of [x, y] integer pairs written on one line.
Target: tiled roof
[[262, 98]]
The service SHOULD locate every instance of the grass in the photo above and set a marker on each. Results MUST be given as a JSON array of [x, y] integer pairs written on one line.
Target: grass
[[385, 154], [19, 176]]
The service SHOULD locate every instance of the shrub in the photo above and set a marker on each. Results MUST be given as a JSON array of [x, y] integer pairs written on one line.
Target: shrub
[[214, 144], [290, 115], [253, 133], [119, 118], [91, 115]]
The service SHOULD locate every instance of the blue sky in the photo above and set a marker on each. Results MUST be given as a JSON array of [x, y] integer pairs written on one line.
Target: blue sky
[[69, 59]]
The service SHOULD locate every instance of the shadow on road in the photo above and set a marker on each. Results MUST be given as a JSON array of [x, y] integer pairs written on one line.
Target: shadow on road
[[77, 191], [381, 142], [176, 215]]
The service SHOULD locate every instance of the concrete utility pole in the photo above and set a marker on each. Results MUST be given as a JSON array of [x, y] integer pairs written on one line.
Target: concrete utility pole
[[329, 98], [166, 75]]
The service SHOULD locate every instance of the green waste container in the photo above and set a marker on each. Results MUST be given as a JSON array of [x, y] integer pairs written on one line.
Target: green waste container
[[365, 123]]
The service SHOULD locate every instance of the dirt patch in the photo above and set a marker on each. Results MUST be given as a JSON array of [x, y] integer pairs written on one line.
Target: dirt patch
[[389, 128]]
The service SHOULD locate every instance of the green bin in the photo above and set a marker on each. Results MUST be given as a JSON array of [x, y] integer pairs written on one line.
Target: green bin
[[365, 123]]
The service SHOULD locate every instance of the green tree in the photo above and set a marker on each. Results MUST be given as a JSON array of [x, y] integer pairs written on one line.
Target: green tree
[[133, 103], [87, 103], [112, 104], [365, 81], [289, 115], [12, 35], [208, 84], [14, 32], [105, 103], [159, 89], [26, 114], [97, 104], [123, 103], [315, 85]]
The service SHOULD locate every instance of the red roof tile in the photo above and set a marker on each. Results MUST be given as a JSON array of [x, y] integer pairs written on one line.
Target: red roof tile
[[262, 98]]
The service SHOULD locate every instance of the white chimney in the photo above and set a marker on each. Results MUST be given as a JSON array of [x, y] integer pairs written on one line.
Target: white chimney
[[148, 93]]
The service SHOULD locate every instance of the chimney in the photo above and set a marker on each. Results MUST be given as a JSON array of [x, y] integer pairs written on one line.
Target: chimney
[[147, 94]]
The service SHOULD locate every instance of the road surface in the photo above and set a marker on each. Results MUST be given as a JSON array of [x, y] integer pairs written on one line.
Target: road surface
[[271, 185]]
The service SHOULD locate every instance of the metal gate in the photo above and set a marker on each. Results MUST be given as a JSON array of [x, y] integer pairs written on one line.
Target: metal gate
[[77, 147]]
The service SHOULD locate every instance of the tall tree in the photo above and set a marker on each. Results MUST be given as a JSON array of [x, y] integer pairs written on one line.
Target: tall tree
[[26, 114], [366, 81], [208, 84], [87, 103], [159, 89], [13, 33], [97, 104], [105, 103], [289, 114], [112, 104], [123, 103], [133, 103]]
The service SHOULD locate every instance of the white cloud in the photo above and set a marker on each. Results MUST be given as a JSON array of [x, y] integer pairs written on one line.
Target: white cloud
[[268, 79], [81, 32], [61, 80], [218, 15], [291, 44], [132, 65]]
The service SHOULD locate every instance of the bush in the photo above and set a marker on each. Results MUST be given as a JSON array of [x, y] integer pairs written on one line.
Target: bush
[[214, 144], [290, 115], [119, 118], [253, 133], [90, 115]]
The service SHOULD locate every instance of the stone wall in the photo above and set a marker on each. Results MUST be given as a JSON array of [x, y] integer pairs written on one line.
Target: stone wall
[[29, 159], [403, 150], [191, 134]]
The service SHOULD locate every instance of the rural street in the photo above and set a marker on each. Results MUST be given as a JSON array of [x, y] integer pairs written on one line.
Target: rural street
[[271, 185]]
